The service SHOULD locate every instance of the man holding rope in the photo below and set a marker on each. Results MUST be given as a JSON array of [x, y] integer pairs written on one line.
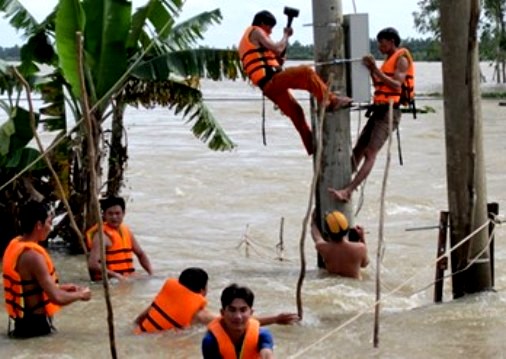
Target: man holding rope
[[394, 81]]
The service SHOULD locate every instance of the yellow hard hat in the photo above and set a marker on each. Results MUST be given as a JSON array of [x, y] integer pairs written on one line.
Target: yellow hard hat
[[336, 222]]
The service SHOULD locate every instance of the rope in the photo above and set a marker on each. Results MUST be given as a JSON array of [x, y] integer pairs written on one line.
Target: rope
[[474, 260], [396, 289]]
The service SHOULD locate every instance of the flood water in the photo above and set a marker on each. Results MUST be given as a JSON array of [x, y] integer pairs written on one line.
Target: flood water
[[189, 206]]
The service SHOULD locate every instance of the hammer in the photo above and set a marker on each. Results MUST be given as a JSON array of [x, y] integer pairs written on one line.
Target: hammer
[[290, 12]]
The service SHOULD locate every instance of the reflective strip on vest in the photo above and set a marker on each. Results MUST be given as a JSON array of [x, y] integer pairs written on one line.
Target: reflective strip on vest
[[119, 255], [402, 96], [14, 287], [173, 307], [249, 349], [259, 63]]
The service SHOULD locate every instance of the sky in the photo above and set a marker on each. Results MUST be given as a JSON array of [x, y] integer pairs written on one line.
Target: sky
[[237, 14]]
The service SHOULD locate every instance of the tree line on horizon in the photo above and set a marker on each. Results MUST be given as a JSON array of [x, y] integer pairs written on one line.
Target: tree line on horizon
[[421, 49]]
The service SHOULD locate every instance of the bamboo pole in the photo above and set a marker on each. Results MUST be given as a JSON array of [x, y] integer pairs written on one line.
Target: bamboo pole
[[59, 186], [379, 253], [94, 199]]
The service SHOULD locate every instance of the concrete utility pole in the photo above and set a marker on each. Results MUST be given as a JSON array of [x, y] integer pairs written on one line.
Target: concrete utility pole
[[329, 44], [465, 166]]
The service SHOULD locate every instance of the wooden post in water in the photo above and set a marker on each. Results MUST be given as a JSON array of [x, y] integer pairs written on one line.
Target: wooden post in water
[[442, 263], [465, 165], [335, 168], [493, 211]]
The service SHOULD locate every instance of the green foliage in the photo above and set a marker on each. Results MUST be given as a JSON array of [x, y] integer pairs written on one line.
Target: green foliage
[[69, 21], [18, 16], [297, 51], [492, 27], [107, 24], [427, 19], [15, 134], [200, 63]]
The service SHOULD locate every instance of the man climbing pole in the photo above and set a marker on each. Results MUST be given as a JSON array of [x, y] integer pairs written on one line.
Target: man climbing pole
[[395, 81], [261, 59]]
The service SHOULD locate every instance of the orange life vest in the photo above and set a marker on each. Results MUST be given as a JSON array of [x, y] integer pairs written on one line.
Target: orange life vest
[[15, 288], [249, 349], [401, 96], [174, 307], [119, 255], [259, 63]]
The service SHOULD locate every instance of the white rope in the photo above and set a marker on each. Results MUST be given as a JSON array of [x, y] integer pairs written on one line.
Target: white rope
[[396, 289]]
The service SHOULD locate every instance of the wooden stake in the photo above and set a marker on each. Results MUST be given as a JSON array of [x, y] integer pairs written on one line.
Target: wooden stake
[[94, 199], [442, 264], [59, 186], [379, 253]]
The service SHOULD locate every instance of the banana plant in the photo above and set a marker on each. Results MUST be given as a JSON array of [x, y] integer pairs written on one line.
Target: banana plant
[[142, 57]]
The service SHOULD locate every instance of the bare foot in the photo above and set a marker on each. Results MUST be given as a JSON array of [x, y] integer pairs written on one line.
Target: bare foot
[[337, 102], [342, 195]]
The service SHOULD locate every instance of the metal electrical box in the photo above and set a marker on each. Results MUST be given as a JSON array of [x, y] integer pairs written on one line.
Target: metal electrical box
[[356, 29]]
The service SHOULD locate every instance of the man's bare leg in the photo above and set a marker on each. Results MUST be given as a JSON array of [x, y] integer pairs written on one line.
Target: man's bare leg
[[344, 194]]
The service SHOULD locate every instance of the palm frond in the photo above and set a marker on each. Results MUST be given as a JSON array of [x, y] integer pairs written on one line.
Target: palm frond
[[186, 34], [203, 63], [18, 16], [182, 98], [157, 17]]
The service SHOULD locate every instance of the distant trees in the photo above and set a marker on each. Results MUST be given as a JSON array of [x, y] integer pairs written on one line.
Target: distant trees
[[422, 50], [492, 33], [9, 53]]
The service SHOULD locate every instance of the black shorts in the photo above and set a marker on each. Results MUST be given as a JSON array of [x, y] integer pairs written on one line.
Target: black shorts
[[33, 325]]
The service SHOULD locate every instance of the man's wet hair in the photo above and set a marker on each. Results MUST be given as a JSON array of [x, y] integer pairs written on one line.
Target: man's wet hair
[[31, 213], [389, 33], [112, 201], [264, 18], [234, 291], [193, 278]]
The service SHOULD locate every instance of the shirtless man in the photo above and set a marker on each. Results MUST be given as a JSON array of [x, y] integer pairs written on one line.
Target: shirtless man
[[341, 256]]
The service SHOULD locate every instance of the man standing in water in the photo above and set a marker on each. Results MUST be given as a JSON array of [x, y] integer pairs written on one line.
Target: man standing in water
[[394, 81], [31, 289], [120, 243], [261, 60], [346, 252], [236, 334]]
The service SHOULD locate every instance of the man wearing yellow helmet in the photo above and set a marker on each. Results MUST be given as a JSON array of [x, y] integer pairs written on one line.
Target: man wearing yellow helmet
[[345, 251]]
